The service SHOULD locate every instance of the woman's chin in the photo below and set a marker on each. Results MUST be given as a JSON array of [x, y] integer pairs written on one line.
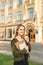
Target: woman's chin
[[22, 34]]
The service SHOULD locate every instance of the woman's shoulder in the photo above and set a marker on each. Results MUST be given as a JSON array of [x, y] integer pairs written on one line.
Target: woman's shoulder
[[13, 40]]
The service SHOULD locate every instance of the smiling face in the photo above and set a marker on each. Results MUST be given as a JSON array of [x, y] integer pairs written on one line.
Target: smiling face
[[21, 31]]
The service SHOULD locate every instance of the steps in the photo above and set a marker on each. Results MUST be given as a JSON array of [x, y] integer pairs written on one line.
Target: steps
[[3, 43]]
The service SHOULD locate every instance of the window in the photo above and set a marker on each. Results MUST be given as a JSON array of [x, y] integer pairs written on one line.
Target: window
[[9, 33], [10, 16], [2, 5], [2, 34], [19, 1], [2, 19], [31, 13], [30, 30], [13, 31], [10, 3], [19, 15]]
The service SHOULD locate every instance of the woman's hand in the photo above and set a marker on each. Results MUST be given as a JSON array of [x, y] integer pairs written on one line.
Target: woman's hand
[[26, 47]]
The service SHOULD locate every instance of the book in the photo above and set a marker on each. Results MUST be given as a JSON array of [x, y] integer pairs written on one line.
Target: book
[[20, 44]]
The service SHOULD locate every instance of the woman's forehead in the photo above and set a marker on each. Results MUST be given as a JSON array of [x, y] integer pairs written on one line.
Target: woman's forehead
[[22, 27]]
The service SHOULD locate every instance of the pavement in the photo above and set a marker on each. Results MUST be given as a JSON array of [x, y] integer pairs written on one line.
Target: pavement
[[36, 53]]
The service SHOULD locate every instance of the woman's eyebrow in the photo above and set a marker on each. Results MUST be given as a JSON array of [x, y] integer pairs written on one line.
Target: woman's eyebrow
[[22, 29]]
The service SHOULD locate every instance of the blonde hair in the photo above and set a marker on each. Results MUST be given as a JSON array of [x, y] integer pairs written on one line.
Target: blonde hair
[[16, 33]]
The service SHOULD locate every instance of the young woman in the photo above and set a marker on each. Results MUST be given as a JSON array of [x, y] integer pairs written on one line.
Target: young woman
[[20, 56]]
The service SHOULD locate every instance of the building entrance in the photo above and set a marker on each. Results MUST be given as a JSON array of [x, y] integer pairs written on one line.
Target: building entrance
[[31, 35]]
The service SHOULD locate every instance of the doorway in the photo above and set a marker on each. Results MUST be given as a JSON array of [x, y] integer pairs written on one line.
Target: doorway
[[31, 35]]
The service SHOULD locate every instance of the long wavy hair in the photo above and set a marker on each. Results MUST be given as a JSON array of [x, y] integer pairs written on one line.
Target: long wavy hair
[[18, 29]]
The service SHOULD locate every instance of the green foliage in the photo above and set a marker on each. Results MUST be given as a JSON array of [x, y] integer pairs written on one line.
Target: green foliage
[[8, 60]]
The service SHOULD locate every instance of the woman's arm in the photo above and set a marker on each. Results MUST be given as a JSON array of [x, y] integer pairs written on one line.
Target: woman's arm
[[27, 42], [15, 50], [29, 45]]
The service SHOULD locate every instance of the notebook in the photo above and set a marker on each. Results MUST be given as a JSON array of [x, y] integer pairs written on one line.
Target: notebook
[[20, 44]]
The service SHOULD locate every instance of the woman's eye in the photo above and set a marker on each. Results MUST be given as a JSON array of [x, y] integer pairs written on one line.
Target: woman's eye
[[21, 29]]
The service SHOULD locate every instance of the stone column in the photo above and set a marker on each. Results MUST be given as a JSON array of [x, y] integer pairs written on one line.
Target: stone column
[[38, 35], [38, 11], [6, 17]]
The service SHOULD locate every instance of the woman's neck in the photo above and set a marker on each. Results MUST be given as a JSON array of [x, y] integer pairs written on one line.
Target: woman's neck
[[19, 37]]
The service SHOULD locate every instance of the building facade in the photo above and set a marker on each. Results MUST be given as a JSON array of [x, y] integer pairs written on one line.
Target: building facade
[[26, 12]]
